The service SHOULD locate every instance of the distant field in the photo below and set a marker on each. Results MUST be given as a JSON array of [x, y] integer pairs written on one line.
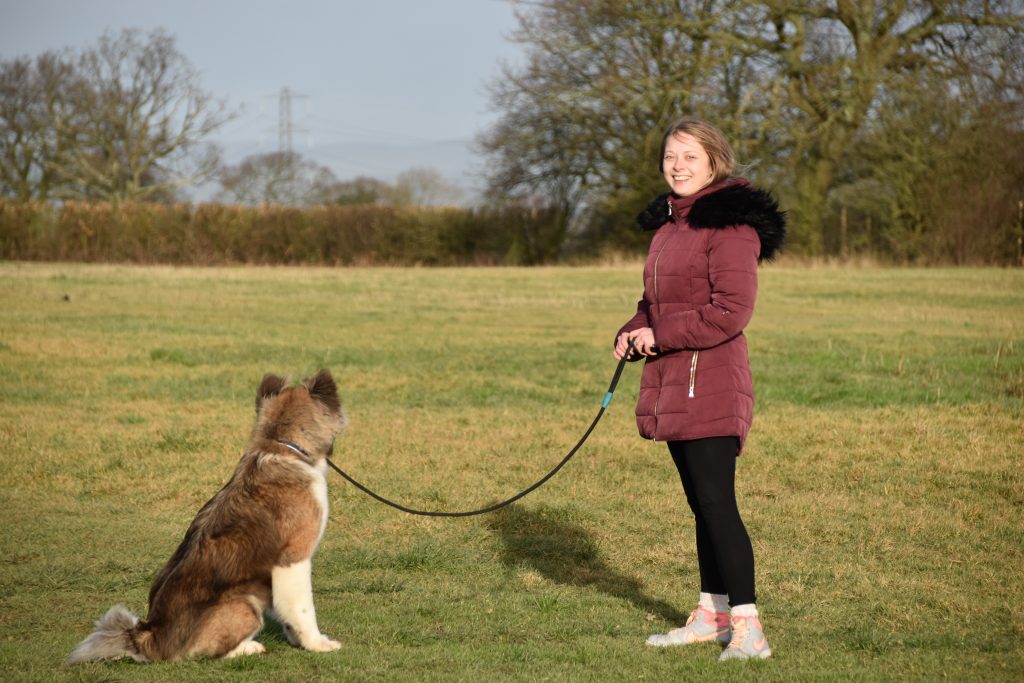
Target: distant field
[[882, 483]]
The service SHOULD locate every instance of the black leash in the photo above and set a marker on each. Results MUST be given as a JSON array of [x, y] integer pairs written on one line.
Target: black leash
[[536, 485]]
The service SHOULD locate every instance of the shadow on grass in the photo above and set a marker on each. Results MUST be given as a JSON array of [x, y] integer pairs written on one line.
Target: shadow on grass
[[563, 552]]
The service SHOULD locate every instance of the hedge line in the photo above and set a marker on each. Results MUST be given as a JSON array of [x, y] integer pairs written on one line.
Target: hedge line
[[210, 234]]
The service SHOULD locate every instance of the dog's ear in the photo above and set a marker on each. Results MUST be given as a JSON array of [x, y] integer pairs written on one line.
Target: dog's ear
[[322, 388], [270, 386]]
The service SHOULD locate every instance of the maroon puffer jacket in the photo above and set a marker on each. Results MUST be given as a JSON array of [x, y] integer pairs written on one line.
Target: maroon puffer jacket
[[700, 282]]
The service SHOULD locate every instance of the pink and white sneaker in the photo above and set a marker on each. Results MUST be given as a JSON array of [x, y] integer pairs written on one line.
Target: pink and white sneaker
[[748, 641], [703, 626]]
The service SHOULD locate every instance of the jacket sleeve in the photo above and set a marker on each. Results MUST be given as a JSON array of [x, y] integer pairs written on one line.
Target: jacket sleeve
[[641, 319], [732, 271]]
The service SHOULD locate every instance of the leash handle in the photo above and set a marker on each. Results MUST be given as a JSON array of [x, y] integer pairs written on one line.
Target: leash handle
[[537, 484], [617, 375]]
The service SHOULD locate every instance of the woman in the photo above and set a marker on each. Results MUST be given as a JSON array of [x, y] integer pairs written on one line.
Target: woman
[[696, 393]]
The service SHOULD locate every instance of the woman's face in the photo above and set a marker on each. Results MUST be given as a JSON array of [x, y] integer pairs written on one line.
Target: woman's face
[[686, 165]]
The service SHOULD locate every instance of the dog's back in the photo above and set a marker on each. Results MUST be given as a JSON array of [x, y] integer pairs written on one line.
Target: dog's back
[[208, 600]]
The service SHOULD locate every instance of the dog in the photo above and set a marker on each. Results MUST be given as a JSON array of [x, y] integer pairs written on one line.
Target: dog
[[249, 549]]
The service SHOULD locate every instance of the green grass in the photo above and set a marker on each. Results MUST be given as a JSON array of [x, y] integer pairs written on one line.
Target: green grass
[[881, 485]]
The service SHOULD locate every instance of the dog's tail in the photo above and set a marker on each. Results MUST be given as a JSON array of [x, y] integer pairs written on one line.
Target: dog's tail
[[112, 639]]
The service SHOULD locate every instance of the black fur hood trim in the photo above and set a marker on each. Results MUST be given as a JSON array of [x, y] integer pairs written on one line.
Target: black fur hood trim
[[734, 204], [655, 214]]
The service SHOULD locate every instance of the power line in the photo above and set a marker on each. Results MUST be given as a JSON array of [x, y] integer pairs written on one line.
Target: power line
[[364, 134]]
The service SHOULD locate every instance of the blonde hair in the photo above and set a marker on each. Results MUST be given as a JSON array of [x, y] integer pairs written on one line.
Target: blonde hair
[[719, 151]]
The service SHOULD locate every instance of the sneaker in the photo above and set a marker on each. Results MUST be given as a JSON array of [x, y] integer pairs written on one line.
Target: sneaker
[[748, 641], [703, 626]]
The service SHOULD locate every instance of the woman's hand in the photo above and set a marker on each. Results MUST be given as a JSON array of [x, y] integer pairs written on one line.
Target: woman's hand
[[643, 343]]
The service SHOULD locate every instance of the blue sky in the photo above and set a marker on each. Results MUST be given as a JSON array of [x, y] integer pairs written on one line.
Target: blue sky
[[383, 85]]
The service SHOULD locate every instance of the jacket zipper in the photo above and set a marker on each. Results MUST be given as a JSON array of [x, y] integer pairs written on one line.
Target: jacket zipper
[[656, 259], [656, 402], [693, 372], [660, 378]]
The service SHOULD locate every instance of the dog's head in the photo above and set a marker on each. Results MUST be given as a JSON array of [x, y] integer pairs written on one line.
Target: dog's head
[[309, 415]]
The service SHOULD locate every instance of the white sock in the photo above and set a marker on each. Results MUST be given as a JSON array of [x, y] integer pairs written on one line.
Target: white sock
[[714, 602], [747, 610]]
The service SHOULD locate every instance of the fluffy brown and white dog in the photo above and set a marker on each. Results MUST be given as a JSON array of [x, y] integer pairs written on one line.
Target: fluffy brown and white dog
[[250, 547]]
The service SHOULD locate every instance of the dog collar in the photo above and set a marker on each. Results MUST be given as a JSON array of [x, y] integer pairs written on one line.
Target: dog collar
[[297, 448]]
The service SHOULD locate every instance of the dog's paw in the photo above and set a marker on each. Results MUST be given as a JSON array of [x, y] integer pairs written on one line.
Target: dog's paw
[[246, 647], [323, 643]]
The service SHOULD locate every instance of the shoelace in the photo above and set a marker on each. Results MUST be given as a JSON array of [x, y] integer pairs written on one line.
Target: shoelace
[[740, 631], [682, 629]]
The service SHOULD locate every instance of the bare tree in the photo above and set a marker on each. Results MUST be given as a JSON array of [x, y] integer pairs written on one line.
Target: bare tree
[[125, 119], [582, 117], [795, 84], [830, 62], [140, 121], [360, 190], [34, 94], [936, 173], [423, 187], [278, 178], [419, 186]]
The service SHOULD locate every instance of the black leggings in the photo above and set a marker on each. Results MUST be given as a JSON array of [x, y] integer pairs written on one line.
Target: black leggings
[[707, 468]]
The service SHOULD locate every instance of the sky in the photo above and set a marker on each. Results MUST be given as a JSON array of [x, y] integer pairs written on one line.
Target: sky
[[379, 86]]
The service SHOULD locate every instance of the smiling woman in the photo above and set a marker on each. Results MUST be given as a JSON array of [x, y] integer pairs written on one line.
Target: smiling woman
[[686, 165], [700, 282], [693, 156]]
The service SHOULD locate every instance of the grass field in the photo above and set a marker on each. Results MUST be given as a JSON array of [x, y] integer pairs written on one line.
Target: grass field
[[882, 481]]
